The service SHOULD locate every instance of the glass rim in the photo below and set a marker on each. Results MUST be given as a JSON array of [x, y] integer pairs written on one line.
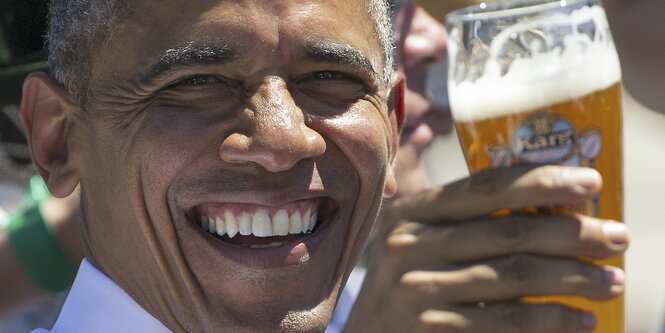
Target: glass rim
[[508, 8]]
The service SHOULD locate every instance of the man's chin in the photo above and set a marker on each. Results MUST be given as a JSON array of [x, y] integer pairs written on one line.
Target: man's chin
[[273, 282], [288, 316], [293, 298]]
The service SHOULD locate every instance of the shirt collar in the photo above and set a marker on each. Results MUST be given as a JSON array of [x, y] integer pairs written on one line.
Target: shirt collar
[[97, 304]]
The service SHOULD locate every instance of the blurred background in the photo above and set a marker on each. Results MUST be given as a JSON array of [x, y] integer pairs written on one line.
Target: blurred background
[[22, 25]]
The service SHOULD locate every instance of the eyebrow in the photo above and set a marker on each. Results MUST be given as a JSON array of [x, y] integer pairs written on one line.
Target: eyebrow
[[194, 54], [188, 55], [337, 53]]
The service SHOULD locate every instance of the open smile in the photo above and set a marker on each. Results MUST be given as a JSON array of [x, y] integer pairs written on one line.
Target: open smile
[[258, 227]]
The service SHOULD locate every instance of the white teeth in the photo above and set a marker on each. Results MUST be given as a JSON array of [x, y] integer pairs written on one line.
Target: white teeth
[[305, 220], [204, 222], [231, 224], [245, 224], [312, 222], [212, 225], [219, 226], [280, 223], [295, 223], [261, 224]]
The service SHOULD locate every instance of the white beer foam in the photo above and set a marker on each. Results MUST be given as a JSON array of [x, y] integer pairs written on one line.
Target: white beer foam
[[584, 67]]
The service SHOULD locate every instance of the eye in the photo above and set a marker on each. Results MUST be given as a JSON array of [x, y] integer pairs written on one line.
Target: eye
[[204, 83], [197, 80], [328, 75], [202, 88], [331, 87]]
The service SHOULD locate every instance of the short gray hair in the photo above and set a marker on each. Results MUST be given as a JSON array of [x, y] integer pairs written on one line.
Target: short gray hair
[[77, 28], [381, 14]]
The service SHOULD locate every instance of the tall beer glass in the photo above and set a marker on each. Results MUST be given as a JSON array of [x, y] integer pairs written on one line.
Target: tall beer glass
[[538, 82]]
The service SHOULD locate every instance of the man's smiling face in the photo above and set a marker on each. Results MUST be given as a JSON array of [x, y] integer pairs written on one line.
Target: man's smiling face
[[262, 120]]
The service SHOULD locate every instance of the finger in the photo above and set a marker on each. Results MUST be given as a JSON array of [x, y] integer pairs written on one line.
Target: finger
[[513, 277], [556, 235], [508, 318], [492, 190]]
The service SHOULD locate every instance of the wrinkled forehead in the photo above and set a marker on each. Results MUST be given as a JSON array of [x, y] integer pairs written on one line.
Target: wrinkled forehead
[[257, 31]]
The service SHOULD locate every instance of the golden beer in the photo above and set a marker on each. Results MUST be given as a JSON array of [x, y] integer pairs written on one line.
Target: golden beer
[[597, 115], [521, 93]]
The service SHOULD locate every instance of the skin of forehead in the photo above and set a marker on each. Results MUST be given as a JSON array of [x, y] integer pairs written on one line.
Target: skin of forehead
[[106, 65]]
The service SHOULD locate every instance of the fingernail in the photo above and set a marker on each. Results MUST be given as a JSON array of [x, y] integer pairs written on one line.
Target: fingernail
[[615, 276], [588, 178], [616, 232], [588, 320]]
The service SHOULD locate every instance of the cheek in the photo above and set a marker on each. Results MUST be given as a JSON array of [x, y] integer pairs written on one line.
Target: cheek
[[170, 142], [363, 137], [135, 164]]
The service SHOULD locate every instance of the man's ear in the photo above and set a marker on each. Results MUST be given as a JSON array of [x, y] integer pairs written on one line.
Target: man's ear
[[46, 109], [396, 115]]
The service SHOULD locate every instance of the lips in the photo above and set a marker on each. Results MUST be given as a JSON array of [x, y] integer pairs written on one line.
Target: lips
[[258, 226]]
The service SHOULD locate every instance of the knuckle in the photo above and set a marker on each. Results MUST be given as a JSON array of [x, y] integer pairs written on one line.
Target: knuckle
[[523, 318], [487, 181], [582, 236], [396, 244], [518, 317], [591, 240], [521, 269], [407, 288], [589, 272], [417, 284], [574, 222], [547, 178], [396, 250], [409, 280], [597, 250], [442, 321], [561, 318], [512, 233], [597, 286]]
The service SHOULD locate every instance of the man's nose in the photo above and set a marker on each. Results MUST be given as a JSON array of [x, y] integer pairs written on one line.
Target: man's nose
[[277, 137]]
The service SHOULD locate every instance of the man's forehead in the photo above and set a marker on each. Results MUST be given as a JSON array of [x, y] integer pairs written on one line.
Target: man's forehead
[[269, 20], [224, 31], [148, 8]]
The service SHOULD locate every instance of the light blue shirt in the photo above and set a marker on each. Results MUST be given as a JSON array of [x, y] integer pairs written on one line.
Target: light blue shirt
[[346, 300], [96, 304]]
